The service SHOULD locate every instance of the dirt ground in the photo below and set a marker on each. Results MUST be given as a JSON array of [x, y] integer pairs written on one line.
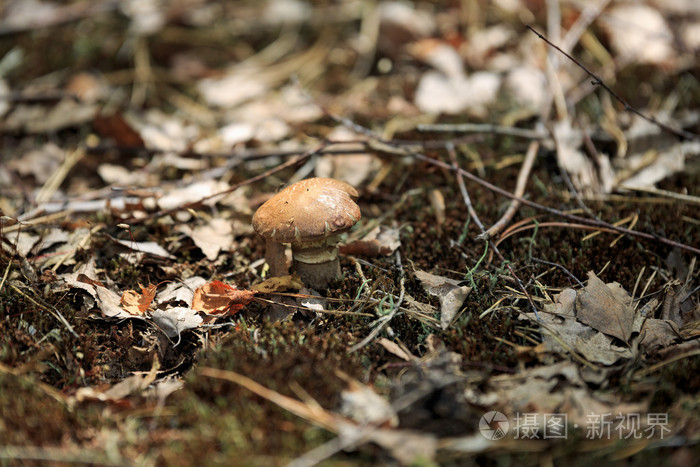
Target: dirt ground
[[522, 287]]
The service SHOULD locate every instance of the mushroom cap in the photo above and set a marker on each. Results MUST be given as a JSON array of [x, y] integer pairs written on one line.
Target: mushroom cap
[[308, 211]]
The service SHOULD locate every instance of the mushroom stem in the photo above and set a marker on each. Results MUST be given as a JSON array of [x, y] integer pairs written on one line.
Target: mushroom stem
[[276, 258], [316, 266]]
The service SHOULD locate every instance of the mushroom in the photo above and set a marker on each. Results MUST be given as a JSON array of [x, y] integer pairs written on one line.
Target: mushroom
[[310, 215]]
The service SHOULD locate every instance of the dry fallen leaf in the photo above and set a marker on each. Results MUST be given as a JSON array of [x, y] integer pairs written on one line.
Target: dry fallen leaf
[[659, 334], [450, 293], [380, 241], [150, 248], [562, 333], [362, 404], [138, 303], [552, 389], [217, 298], [180, 291], [108, 303], [192, 193], [212, 238], [174, 321], [605, 307], [132, 385]]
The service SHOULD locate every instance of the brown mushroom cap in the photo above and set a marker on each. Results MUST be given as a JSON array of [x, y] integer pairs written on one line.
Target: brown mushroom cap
[[308, 211]]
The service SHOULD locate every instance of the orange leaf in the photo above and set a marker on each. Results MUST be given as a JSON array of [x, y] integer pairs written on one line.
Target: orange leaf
[[217, 298], [137, 303]]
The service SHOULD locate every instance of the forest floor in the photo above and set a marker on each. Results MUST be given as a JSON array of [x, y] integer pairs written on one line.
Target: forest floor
[[522, 288]]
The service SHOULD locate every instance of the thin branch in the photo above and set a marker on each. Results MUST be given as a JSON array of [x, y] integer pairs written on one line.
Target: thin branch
[[477, 221], [57, 314], [556, 212], [463, 188], [598, 81], [383, 321], [520, 185], [482, 128], [563, 268]]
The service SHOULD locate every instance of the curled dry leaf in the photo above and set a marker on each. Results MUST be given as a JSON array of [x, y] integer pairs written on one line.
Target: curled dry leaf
[[562, 332], [557, 388], [217, 298], [138, 303], [151, 248], [639, 33], [174, 321], [108, 302], [381, 241], [605, 308], [450, 293], [212, 238], [179, 292]]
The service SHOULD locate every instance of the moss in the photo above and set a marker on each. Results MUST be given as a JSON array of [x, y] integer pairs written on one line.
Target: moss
[[221, 420], [32, 415]]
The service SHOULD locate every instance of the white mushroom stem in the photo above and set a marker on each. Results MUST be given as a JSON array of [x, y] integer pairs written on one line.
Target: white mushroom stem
[[316, 265], [276, 258]]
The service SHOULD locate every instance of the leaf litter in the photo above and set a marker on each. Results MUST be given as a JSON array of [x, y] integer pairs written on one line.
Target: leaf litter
[[149, 175]]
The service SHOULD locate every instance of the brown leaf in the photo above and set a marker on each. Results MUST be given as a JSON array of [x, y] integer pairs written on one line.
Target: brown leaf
[[138, 303], [217, 298], [116, 127], [659, 334], [382, 241], [85, 279], [599, 306]]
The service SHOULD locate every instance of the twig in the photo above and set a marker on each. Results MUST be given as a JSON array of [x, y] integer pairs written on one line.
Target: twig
[[363, 433], [598, 81], [349, 433], [658, 366], [477, 221], [4, 276], [553, 211], [523, 226], [37, 221], [665, 193], [463, 187], [384, 320], [557, 265], [482, 128], [57, 314], [520, 185]]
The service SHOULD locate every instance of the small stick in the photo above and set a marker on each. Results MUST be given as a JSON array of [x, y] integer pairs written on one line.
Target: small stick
[[556, 212], [462, 187], [598, 81], [57, 314], [560, 266], [482, 128], [520, 185], [383, 321], [477, 221]]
